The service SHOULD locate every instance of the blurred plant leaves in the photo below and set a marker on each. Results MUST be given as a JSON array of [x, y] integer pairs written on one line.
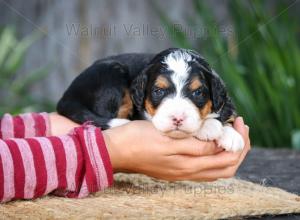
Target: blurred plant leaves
[[16, 57], [20, 85], [15, 96], [7, 41]]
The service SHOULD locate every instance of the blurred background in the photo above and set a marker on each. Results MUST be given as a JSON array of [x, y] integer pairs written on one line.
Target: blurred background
[[253, 45]]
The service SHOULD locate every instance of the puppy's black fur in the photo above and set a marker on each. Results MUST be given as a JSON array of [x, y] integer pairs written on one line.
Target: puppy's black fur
[[96, 94]]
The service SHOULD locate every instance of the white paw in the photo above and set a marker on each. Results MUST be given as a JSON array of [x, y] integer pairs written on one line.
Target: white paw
[[117, 122], [231, 140], [211, 129]]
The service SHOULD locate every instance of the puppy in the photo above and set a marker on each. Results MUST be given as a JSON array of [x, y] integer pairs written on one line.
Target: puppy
[[175, 89]]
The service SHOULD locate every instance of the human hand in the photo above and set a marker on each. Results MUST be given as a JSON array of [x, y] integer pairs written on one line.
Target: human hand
[[226, 162], [140, 148]]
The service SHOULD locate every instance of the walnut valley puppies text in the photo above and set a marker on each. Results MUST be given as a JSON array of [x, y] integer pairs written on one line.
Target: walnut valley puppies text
[[142, 30]]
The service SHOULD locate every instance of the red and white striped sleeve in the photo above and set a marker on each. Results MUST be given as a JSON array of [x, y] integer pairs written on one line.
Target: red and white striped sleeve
[[24, 125], [72, 165]]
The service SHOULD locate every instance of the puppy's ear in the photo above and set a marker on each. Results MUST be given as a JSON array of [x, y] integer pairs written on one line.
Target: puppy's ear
[[222, 103], [138, 89], [216, 85], [218, 92]]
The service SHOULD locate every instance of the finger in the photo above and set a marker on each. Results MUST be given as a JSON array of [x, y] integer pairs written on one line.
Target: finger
[[191, 164], [244, 153], [193, 147], [221, 160], [240, 127], [212, 174], [248, 130], [243, 130], [246, 138]]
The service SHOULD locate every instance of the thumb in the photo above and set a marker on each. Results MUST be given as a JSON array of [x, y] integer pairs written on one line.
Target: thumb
[[240, 127]]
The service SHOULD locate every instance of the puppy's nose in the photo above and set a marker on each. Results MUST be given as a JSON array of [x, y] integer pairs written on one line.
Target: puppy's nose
[[177, 121]]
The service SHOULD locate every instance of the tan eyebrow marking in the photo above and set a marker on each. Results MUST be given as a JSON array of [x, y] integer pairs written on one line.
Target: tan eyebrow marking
[[162, 82], [195, 84], [149, 107], [206, 109]]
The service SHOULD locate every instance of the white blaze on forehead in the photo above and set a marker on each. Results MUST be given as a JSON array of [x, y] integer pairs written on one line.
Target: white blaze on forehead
[[177, 62]]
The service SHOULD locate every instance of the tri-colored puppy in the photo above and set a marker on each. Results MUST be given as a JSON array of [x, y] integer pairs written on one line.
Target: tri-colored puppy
[[175, 89]]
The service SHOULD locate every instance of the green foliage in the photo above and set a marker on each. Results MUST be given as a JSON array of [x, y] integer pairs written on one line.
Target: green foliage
[[259, 62], [14, 86]]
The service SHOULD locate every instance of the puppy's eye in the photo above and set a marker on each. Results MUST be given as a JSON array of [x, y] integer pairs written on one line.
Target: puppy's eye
[[158, 92], [197, 93]]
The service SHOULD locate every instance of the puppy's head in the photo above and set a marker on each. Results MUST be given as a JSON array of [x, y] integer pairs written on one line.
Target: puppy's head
[[177, 91]]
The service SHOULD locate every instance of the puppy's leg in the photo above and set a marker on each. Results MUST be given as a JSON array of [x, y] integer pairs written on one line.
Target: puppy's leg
[[210, 130], [124, 111], [115, 122], [230, 139], [78, 113], [226, 136]]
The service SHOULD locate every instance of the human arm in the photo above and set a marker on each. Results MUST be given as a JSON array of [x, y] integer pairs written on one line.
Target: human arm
[[34, 124], [71, 165]]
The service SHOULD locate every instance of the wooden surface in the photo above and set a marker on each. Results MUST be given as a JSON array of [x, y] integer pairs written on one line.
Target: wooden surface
[[278, 168]]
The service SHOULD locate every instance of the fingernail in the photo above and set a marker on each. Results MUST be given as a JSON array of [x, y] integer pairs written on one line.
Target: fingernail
[[241, 119]]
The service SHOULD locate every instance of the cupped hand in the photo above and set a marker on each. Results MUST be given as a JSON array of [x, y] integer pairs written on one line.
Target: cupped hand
[[138, 147], [223, 164]]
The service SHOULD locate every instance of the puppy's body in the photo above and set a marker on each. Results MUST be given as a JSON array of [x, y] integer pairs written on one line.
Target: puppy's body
[[175, 89], [100, 93]]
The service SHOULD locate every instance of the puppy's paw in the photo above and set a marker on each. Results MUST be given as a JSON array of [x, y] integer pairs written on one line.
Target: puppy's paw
[[210, 130], [231, 140], [117, 122]]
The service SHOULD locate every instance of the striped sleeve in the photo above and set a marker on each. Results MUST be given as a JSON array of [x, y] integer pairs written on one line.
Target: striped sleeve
[[24, 125], [72, 165]]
